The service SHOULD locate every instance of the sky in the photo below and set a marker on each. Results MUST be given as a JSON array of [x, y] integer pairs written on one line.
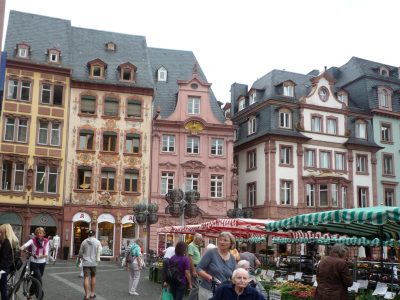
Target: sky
[[240, 41]]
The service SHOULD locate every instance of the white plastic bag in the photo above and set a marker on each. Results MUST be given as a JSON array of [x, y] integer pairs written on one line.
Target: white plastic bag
[[123, 262]]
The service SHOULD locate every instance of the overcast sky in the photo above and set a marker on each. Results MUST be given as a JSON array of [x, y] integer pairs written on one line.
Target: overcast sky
[[240, 41]]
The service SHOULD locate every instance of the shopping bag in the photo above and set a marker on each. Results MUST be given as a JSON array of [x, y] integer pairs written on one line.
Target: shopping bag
[[166, 295]]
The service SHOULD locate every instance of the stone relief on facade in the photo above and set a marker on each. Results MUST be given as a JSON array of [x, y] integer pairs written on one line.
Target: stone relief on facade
[[73, 137], [193, 165], [85, 158], [109, 159], [167, 222], [168, 165], [131, 161], [217, 168], [81, 198]]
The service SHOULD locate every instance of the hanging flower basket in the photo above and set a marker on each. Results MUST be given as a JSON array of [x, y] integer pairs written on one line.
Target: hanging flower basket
[[153, 218], [175, 210], [192, 210], [140, 218], [192, 196], [152, 207], [139, 208]]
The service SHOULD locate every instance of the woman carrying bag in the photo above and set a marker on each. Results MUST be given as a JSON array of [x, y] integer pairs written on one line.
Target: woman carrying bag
[[134, 266], [9, 242]]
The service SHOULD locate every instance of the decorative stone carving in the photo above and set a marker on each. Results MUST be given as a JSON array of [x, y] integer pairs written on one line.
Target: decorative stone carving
[[109, 159], [193, 164], [217, 168], [131, 161], [85, 158], [168, 165]]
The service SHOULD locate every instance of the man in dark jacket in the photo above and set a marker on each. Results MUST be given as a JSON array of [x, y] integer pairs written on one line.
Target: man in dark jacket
[[333, 275], [238, 289]]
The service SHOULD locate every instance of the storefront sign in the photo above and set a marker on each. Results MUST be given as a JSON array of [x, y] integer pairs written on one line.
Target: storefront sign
[[106, 218], [128, 219], [81, 216]]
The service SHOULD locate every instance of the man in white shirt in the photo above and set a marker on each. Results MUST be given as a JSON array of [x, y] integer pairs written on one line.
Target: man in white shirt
[[170, 251]]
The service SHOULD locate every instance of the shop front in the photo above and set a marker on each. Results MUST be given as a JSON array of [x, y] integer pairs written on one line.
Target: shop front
[[16, 223], [129, 231], [46, 221], [106, 234], [80, 227]]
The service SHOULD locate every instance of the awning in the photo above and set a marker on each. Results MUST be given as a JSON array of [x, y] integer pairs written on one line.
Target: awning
[[365, 222]]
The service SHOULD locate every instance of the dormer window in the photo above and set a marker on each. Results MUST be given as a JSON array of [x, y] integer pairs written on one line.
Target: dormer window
[[288, 89], [110, 46], [23, 50], [127, 72], [384, 98], [343, 97], [384, 71], [241, 104], [53, 55], [162, 74], [97, 68], [252, 98]]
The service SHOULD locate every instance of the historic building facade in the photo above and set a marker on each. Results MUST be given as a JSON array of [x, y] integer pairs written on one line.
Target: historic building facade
[[192, 142], [34, 129], [300, 133]]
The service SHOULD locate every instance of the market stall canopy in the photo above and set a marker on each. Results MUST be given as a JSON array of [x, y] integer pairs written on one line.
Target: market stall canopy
[[368, 222]]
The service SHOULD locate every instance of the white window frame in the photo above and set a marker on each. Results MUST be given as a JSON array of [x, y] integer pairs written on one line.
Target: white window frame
[[285, 119], [242, 104], [162, 74], [316, 123], [14, 171], [286, 192], [193, 106], [325, 160], [285, 155], [168, 143], [288, 90], [331, 126], [251, 194], [362, 197], [217, 146], [46, 178], [361, 163], [193, 145], [340, 161], [252, 98], [252, 125], [167, 182], [361, 130], [192, 182], [310, 195], [217, 186], [310, 158]]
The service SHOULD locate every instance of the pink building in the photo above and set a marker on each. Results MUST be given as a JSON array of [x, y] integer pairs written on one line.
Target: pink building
[[192, 142]]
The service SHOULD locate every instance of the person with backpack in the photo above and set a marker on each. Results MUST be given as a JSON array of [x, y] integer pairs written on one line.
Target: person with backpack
[[9, 243], [133, 266], [177, 272], [39, 248]]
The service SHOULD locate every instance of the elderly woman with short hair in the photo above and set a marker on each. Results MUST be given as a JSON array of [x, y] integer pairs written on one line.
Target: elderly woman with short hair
[[217, 263], [239, 289], [333, 275]]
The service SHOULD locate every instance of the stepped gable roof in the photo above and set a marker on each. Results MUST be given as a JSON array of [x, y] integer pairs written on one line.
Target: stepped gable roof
[[40, 33], [179, 65]]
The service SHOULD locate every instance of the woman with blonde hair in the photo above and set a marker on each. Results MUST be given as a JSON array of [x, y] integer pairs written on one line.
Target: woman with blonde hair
[[8, 244], [217, 264]]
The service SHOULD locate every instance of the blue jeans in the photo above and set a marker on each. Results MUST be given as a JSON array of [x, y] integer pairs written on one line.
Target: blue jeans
[[3, 286], [178, 291]]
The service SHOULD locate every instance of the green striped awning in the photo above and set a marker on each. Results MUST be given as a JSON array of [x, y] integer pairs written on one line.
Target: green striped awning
[[349, 241], [364, 222]]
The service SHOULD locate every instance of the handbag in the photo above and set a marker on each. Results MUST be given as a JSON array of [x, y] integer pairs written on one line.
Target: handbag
[[140, 262], [166, 295]]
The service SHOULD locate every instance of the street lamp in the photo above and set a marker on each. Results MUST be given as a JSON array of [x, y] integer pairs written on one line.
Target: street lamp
[[182, 204], [146, 214]]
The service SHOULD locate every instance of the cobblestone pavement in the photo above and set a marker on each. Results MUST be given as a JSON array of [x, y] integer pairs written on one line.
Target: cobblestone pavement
[[61, 281]]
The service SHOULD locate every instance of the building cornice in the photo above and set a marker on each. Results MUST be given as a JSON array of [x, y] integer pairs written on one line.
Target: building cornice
[[35, 67], [111, 88]]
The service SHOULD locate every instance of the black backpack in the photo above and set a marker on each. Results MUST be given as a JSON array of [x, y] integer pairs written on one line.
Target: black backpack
[[173, 274]]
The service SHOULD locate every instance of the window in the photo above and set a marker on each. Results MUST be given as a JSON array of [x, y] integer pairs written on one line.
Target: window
[[384, 98], [325, 160], [235, 134], [19, 89], [192, 145], [252, 98], [361, 164], [16, 130], [285, 155], [217, 185], [54, 55], [286, 192], [23, 52], [252, 125], [52, 94], [131, 181], [386, 132], [111, 107], [334, 195], [168, 143], [192, 182], [46, 179], [309, 158], [343, 97], [193, 106], [49, 133], [251, 194], [162, 74], [383, 71], [288, 90], [344, 196], [316, 124], [167, 182], [109, 141], [88, 105], [310, 194], [361, 130], [241, 104], [340, 161], [331, 126], [388, 164], [12, 176], [86, 139], [132, 143], [285, 119], [389, 197], [362, 196], [84, 178], [323, 195], [107, 179], [251, 160], [126, 74], [134, 109], [217, 146]]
